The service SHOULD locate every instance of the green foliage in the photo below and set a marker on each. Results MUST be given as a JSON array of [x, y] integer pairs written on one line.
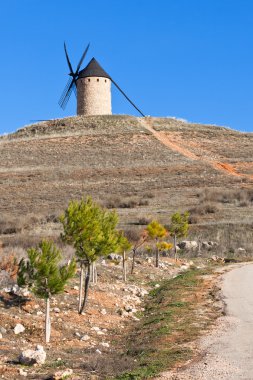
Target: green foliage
[[156, 230], [42, 272], [123, 244], [91, 229], [164, 246], [179, 224]]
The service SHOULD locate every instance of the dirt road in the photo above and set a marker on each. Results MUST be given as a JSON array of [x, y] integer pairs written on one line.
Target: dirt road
[[172, 143], [228, 351]]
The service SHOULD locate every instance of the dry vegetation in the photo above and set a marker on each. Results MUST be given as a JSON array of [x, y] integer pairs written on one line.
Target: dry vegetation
[[122, 165]]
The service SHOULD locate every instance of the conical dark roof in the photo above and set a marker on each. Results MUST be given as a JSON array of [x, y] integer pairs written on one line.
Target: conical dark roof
[[93, 69]]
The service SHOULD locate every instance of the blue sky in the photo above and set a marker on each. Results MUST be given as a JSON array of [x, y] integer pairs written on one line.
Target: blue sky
[[192, 59]]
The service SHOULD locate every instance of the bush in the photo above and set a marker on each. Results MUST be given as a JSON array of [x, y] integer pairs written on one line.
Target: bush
[[127, 203], [203, 209], [9, 226]]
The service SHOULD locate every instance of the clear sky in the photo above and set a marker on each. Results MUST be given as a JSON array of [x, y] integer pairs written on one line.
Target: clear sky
[[192, 59]]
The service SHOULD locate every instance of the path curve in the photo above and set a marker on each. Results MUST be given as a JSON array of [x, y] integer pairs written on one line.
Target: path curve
[[228, 351], [165, 140]]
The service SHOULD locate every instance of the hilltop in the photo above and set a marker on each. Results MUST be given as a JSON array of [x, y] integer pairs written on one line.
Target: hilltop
[[145, 167]]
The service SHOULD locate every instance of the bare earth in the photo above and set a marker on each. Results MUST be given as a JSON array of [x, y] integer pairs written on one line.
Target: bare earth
[[228, 352]]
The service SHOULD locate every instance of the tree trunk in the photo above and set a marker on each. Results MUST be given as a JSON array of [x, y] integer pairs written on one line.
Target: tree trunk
[[133, 262], [93, 272], [124, 266], [47, 321], [86, 288], [175, 246], [157, 256], [80, 289]]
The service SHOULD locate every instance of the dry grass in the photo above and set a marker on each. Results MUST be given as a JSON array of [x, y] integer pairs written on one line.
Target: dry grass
[[121, 164]]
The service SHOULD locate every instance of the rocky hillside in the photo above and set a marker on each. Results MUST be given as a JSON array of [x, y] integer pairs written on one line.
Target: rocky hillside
[[144, 167]]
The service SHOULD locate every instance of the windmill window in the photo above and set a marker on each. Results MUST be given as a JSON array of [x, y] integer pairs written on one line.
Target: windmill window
[[105, 80], [89, 80], [98, 80]]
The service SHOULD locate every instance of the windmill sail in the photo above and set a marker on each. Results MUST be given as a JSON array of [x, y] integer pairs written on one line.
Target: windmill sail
[[130, 101], [71, 84]]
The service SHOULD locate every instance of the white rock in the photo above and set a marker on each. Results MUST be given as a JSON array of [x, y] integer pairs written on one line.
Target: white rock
[[26, 293], [100, 333], [22, 372], [188, 244], [39, 313], [103, 312], [85, 337], [95, 328], [98, 351], [15, 288], [128, 308], [157, 285], [1, 336], [56, 310], [30, 357], [19, 328], [104, 344], [77, 334], [75, 287]]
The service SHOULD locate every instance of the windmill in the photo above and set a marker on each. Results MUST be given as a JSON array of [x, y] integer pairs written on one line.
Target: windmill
[[92, 87]]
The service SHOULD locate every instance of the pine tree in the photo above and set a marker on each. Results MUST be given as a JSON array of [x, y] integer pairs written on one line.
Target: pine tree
[[179, 227], [44, 275], [92, 231], [156, 231]]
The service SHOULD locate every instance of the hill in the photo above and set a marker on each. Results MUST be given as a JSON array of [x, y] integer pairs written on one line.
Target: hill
[[145, 167]]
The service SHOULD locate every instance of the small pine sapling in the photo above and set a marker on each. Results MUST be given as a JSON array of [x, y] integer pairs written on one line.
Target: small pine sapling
[[44, 276], [91, 229], [179, 227], [156, 231]]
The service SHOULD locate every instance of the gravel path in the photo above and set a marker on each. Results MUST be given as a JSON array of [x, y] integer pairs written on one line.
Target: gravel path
[[228, 351]]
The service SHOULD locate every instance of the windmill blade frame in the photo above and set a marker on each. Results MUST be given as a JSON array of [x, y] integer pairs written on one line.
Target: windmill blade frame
[[81, 60], [71, 84], [68, 60], [130, 101], [66, 94]]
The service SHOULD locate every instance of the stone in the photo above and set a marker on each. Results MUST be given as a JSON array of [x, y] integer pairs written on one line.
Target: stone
[[56, 310], [31, 357], [75, 287], [64, 374], [19, 328], [114, 256], [1, 336], [98, 351], [95, 328], [128, 308], [103, 312], [241, 250], [39, 313], [3, 330], [22, 372], [188, 244], [85, 338], [104, 344]]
